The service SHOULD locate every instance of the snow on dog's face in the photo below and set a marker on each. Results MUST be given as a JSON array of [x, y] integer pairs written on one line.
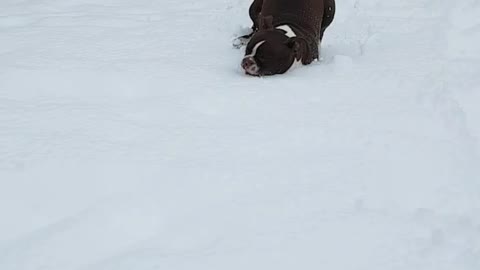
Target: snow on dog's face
[[271, 51]]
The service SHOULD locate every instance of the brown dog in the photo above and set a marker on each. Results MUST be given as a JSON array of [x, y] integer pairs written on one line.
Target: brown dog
[[285, 32]]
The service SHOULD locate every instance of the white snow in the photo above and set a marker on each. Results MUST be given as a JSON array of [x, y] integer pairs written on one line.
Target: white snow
[[130, 139]]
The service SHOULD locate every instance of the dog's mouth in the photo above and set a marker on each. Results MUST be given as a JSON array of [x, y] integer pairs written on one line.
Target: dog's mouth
[[252, 72]]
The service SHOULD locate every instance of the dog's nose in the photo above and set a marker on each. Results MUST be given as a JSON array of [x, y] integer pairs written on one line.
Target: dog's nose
[[248, 62]]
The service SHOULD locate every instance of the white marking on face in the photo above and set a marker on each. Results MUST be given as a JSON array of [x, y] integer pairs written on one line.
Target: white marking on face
[[289, 32], [254, 69], [255, 48]]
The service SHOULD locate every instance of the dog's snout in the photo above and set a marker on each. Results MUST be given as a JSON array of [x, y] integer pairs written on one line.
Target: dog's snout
[[248, 62], [250, 66]]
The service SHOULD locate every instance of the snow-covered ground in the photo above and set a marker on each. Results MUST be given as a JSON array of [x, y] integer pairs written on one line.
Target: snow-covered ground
[[130, 139]]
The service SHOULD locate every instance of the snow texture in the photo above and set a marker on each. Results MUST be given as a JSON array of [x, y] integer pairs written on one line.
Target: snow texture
[[131, 139]]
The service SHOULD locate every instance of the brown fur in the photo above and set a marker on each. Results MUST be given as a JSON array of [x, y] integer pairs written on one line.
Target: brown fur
[[308, 19]]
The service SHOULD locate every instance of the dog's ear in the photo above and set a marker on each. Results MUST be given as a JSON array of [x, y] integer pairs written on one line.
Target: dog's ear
[[265, 23], [294, 44], [299, 47]]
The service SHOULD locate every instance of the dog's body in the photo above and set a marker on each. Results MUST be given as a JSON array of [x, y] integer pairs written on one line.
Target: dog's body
[[285, 32]]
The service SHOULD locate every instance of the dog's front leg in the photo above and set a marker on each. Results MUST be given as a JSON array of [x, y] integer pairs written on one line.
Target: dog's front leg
[[242, 41], [254, 12]]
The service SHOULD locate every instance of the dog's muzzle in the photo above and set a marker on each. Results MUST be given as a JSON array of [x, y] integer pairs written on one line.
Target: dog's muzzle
[[250, 66]]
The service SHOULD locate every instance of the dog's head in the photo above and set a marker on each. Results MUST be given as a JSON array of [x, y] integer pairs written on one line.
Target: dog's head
[[271, 50]]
